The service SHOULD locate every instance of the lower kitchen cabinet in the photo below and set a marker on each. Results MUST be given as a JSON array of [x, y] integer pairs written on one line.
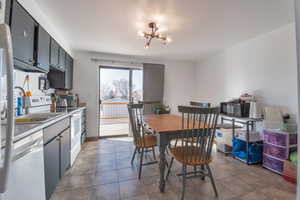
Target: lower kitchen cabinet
[[57, 153], [65, 151], [52, 168]]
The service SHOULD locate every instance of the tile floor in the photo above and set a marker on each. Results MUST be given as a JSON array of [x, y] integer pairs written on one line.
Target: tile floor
[[103, 172]]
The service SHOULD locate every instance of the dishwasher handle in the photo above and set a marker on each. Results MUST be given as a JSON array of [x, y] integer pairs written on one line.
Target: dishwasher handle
[[29, 147]]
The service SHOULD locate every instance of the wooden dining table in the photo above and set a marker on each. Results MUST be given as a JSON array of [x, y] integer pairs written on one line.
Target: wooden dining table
[[166, 127]]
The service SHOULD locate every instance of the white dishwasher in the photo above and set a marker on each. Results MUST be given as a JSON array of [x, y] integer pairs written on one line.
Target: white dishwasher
[[75, 136], [27, 178]]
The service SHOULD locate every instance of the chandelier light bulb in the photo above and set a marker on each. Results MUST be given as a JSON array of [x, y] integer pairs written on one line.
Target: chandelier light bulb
[[154, 33], [169, 39], [140, 33]]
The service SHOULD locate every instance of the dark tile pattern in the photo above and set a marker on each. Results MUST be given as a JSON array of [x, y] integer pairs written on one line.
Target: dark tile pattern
[[103, 172]]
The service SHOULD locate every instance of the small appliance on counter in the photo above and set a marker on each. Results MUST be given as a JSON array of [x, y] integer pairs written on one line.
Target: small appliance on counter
[[67, 101], [244, 107], [235, 109]]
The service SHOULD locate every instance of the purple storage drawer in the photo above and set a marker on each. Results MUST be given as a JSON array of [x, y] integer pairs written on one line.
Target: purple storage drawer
[[280, 139], [278, 152], [273, 163]]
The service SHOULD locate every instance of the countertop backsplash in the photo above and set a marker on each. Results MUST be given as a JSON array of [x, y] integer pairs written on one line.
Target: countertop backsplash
[[34, 82]]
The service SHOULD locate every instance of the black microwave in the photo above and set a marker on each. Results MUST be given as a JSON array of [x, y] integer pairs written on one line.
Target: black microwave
[[235, 109]]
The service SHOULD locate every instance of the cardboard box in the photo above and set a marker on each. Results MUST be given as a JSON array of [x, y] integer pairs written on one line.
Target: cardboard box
[[224, 136], [290, 171]]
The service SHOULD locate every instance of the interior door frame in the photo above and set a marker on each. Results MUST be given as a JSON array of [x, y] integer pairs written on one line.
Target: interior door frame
[[130, 69]]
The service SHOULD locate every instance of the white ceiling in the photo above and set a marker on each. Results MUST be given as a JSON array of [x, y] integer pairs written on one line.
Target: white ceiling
[[197, 27]]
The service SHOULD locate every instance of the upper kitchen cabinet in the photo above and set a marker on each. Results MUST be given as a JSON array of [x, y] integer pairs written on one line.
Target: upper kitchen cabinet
[[23, 36], [7, 11], [54, 55], [62, 79], [62, 59], [57, 56], [34, 49], [69, 72], [43, 49]]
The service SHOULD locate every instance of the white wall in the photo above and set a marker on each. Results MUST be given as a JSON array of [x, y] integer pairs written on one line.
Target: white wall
[[180, 84], [34, 81], [265, 66], [179, 81]]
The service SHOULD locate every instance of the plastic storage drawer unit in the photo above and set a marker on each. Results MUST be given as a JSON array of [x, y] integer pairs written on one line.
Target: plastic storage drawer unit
[[277, 151], [279, 138], [273, 164]]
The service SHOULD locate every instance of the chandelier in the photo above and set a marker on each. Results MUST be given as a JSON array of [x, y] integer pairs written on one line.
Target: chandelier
[[154, 34]]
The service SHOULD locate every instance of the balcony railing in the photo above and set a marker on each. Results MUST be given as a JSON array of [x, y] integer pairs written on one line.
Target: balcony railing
[[113, 110]]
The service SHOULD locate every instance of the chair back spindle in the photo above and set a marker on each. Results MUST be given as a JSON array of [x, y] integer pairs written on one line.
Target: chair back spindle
[[198, 132], [136, 122], [150, 106]]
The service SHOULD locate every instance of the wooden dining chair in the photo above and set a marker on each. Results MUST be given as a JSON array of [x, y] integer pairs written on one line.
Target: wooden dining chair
[[143, 142], [150, 106], [193, 145], [205, 105]]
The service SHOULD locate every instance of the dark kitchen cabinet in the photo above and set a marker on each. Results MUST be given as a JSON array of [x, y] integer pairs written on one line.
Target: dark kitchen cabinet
[[62, 59], [23, 36], [52, 168], [43, 49], [7, 11], [62, 80], [69, 73], [54, 54], [65, 151], [57, 153], [34, 49]]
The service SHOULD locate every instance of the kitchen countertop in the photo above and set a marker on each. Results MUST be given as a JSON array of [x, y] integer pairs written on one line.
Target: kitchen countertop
[[24, 130]]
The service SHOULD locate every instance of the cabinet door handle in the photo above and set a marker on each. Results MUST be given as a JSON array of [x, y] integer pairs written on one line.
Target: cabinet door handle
[[31, 60]]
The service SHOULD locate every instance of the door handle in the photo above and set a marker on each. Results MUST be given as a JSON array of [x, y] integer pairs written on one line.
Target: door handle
[[6, 44], [30, 147]]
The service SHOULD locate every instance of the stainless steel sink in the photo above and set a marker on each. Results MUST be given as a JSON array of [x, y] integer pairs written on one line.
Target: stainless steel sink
[[36, 118]]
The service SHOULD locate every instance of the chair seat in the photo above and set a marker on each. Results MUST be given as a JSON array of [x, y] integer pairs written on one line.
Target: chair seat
[[189, 156], [148, 141]]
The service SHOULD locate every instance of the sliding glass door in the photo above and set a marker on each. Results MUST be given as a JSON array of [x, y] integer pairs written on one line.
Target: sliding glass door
[[117, 87]]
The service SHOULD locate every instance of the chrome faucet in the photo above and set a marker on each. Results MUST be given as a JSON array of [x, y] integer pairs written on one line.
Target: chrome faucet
[[22, 90]]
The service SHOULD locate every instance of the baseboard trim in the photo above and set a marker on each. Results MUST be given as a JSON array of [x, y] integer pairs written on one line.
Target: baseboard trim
[[91, 139], [113, 136]]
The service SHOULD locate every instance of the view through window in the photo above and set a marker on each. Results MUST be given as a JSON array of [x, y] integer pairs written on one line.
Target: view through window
[[117, 87]]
